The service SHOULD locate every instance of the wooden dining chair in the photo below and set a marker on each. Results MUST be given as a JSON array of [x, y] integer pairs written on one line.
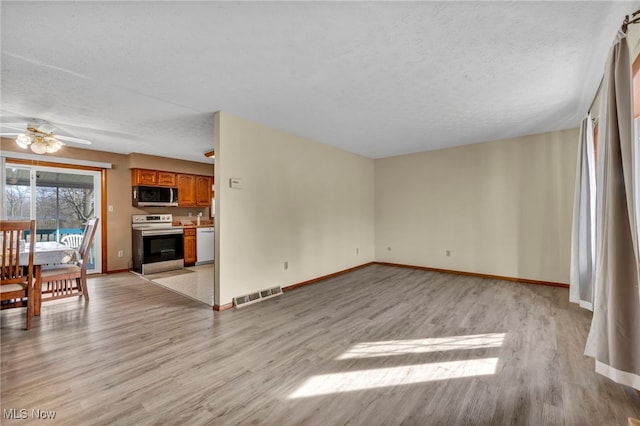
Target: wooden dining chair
[[67, 280], [16, 284]]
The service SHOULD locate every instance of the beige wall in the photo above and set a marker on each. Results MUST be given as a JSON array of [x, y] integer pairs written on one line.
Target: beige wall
[[302, 202], [502, 208], [118, 236]]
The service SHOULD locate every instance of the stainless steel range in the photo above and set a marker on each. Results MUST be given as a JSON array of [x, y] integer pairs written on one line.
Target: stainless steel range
[[157, 245]]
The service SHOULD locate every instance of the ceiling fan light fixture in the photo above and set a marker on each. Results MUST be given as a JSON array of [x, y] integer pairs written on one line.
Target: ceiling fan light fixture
[[54, 147], [23, 141], [39, 142], [42, 134], [38, 147]]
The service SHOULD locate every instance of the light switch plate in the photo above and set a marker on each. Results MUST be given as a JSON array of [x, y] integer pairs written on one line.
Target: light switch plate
[[235, 183]]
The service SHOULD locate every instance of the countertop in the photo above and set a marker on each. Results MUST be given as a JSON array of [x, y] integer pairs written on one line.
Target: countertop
[[203, 224]]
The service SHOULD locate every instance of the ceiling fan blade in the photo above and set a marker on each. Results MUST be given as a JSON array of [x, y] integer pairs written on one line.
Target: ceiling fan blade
[[38, 124], [14, 126], [75, 129], [72, 139], [13, 120]]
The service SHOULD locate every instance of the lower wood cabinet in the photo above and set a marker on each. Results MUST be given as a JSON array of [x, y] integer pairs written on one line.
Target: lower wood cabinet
[[189, 246]]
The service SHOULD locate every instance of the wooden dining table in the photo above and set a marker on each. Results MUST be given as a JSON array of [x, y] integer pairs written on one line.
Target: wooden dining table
[[45, 253]]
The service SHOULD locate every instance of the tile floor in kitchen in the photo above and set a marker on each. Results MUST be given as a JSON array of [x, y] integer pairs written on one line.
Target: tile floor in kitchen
[[195, 282]]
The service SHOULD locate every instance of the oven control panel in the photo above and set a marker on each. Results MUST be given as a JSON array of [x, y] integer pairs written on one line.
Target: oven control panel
[[151, 218]]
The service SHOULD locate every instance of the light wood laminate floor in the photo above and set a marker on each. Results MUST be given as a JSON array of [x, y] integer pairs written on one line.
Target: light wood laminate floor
[[378, 346]]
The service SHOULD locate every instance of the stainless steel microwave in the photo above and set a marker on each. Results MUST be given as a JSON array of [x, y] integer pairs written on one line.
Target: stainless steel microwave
[[154, 196]]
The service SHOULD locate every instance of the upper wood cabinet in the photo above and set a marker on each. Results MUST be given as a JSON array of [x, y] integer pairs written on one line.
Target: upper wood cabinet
[[203, 190], [193, 190], [144, 177], [186, 190], [152, 177], [166, 179]]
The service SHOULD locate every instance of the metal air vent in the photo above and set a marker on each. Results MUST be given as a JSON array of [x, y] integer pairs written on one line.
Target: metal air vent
[[256, 297]]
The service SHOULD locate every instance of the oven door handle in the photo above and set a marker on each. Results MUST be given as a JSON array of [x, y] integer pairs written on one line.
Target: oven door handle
[[150, 232]]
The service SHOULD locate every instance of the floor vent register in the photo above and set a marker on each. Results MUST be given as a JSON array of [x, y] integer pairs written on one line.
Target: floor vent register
[[258, 296]]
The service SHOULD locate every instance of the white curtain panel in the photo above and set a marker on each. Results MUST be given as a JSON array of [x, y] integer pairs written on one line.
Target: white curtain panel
[[614, 338], [584, 221]]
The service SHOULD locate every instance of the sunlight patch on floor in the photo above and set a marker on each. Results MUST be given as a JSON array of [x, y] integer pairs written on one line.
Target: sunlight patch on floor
[[416, 346], [325, 384]]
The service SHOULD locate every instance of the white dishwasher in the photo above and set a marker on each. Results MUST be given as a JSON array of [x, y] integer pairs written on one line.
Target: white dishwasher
[[204, 245]]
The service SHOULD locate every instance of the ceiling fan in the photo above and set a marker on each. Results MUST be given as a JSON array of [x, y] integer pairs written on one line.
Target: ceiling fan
[[39, 136]]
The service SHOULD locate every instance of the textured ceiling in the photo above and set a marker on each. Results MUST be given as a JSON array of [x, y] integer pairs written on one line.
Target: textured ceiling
[[374, 78]]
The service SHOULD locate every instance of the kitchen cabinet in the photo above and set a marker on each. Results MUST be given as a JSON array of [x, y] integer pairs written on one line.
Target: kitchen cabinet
[[152, 177], [193, 190], [203, 191], [186, 190], [190, 241], [166, 179], [144, 177]]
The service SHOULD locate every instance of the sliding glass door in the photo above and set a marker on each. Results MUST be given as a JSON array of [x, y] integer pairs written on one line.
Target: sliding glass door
[[60, 199]]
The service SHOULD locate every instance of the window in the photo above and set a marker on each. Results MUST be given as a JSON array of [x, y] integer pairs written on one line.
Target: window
[[60, 199]]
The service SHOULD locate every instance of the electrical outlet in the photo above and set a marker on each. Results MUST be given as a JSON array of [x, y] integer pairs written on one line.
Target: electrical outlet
[[110, 208], [120, 253], [448, 252], [388, 248], [286, 265]]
